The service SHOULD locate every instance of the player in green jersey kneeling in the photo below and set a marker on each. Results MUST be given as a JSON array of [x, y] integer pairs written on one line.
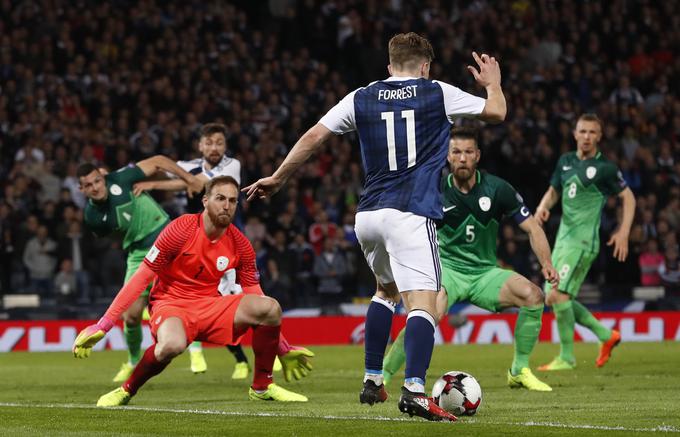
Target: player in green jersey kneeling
[[474, 204], [585, 179]]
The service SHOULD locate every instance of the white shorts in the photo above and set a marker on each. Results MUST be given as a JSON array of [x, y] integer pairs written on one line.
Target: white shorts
[[400, 247]]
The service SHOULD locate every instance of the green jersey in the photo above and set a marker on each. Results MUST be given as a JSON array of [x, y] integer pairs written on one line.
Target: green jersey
[[467, 234], [584, 186], [137, 219]]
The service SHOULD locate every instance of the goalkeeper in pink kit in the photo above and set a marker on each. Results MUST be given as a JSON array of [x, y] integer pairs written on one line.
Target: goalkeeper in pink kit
[[186, 264]]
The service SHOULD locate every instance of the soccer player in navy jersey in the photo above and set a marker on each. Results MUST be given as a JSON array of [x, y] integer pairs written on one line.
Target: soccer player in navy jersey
[[403, 125]]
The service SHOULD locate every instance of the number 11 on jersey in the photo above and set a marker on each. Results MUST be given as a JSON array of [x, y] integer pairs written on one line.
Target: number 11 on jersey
[[410, 116]]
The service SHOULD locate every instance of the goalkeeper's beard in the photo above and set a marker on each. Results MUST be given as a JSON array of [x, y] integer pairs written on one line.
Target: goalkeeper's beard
[[220, 220]]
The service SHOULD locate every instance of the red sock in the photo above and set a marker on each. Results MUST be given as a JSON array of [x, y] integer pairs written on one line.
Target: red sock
[[147, 367], [265, 345]]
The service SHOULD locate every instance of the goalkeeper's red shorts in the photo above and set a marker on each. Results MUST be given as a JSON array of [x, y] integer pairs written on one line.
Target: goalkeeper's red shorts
[[208, 319]]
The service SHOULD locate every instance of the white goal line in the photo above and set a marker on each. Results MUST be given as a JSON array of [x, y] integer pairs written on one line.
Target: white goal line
[[659, 428]]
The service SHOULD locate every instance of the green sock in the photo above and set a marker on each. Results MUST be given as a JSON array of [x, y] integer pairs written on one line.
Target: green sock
[[564, 313], [587, 319], [527, 327], [195, 346], [133, 337], [396, 357]]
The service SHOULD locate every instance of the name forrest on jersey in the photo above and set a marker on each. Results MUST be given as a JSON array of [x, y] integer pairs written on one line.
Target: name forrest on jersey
[[402, 93]]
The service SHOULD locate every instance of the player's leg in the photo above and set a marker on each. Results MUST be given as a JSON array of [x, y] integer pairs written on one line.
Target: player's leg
[[378, 323], [263, 314], [376, 335], [567, 262], [132, 328], [396, 356], [241, 368], [196, 358], [609, 338], [132, 319], [517, 291], [411, 242], [171, 341]]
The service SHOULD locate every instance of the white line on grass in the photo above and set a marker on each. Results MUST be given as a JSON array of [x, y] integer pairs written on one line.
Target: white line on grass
[[659, 428]]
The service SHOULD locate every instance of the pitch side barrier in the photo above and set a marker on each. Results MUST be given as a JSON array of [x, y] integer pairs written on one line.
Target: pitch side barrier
[[58, 335]]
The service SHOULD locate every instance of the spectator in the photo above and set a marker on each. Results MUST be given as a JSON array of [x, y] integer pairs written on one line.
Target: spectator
[[40, 259], [65, 282], [303, 265], [329, 268], [651, 262]]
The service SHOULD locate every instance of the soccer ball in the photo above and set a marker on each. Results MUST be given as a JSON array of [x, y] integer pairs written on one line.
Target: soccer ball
[[458, 393]]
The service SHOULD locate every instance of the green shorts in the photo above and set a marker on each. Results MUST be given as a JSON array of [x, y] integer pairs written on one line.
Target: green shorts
[[572, 265], [134, 258], [481, 289]]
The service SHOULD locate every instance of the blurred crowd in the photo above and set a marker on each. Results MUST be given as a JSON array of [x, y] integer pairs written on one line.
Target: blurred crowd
[[112, 82]]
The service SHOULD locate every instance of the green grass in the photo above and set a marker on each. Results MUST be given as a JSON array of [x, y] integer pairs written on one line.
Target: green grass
[[54, 394]]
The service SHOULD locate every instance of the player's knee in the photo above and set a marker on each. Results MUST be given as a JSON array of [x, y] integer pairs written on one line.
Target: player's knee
[[269, 311], [132, 319], [533, 296], [169, 348]]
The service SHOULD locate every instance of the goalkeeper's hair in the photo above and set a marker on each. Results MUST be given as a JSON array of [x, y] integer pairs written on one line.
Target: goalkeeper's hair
[[219, 180]]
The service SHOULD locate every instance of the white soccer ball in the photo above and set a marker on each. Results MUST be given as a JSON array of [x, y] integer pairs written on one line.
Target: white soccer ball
[[458, 393]]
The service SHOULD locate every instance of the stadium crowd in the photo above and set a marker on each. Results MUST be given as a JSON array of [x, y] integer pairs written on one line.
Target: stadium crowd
[[114, 82]]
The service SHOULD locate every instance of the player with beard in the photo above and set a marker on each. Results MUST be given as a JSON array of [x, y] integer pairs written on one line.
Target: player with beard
[[213, 163], [186, 264], [474, 203]]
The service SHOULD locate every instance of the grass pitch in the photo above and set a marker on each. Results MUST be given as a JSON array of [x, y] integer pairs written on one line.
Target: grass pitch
[[54, 394]]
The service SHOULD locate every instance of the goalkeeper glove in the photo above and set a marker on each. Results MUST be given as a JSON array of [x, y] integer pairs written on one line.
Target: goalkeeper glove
[[88, 337], [296, 363]]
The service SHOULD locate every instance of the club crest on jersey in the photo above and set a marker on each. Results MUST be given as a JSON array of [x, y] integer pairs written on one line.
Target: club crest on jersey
[[485, 203], [591, 172], [116, 190], [222, 263]]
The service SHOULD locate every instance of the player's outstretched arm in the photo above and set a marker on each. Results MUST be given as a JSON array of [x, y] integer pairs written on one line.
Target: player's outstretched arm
[[549, 200], [163, 163], [619, 239], [88, 337], [298, 155], [540, 246], [489, 76]]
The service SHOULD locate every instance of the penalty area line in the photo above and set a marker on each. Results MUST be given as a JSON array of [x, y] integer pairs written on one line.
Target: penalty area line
[[472, 421]]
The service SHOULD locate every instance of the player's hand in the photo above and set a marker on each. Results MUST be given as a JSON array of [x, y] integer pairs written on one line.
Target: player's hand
[[195, 186], [550, 275], [263, 188], [88, 337], [542, 215], [296, 363], [141, 187], [489, 70], [619, 240]]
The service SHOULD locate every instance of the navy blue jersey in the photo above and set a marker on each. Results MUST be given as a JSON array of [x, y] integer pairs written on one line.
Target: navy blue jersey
[[403, 126]]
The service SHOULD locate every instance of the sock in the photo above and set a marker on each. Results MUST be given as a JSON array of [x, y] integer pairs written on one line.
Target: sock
[[587, 319], [396, 357], [237, 351], [527, 327], [376, 335], [195, 346], [265, 345], [418, 342], [147, 368], [133, 337], [564, 313]]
